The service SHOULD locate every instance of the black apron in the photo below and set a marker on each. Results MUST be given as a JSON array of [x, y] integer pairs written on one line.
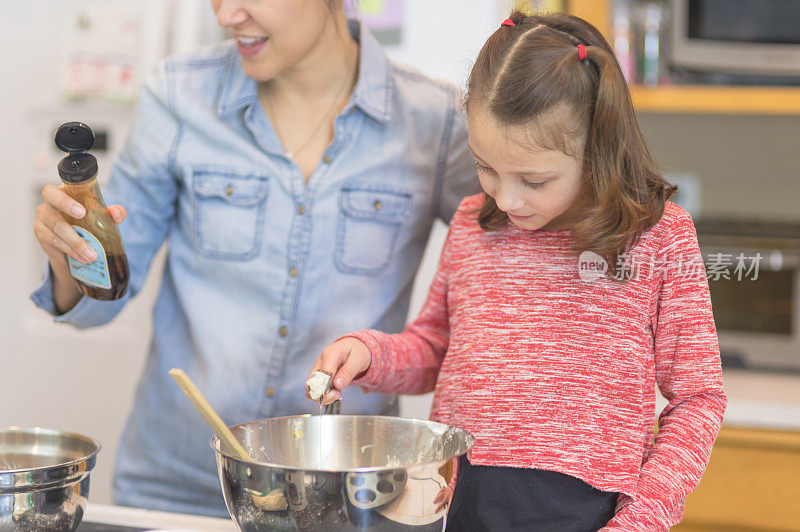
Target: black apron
[[508, 498]]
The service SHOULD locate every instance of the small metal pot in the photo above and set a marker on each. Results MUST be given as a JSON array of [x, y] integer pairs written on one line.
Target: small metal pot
[[44, 479], [341, 473]]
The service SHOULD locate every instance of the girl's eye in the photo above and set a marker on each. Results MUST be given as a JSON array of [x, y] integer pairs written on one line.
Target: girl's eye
[[480, 168], [530, 184]]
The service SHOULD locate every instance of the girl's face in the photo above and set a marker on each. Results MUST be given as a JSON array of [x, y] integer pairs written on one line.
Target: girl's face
[[535, 186], [274, 35]]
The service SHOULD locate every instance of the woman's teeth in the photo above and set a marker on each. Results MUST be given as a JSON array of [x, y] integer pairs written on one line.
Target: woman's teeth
[[250, 41]]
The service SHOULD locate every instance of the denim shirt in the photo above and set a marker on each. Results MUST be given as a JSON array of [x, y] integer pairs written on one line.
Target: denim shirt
[[263, 270]]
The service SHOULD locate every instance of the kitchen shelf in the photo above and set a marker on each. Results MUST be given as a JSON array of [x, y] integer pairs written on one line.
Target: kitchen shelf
[[717, 100], [694, 99]]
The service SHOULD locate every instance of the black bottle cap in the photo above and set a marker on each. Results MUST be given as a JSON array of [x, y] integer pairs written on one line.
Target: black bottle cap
[[74, 137], [77, 168]]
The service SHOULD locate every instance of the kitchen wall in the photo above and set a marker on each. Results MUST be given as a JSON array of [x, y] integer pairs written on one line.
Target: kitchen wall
[[83, 380], [53, 375], [747, 166]]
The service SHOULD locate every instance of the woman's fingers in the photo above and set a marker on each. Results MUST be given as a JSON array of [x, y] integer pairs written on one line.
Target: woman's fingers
[[53, 232], [118, 213], [72, 239], [47, 217], [56, 197], [56, 235], [48, 240], [58, 243]]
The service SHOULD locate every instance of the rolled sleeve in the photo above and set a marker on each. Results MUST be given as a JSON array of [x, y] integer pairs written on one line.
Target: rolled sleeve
[[86, 313]]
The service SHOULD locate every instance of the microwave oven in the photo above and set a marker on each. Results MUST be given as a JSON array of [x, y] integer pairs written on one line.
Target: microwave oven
[[738, 37], [757, 311]]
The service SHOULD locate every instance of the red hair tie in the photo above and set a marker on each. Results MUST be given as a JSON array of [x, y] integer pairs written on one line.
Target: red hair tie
[[581, 52], [508, 22]]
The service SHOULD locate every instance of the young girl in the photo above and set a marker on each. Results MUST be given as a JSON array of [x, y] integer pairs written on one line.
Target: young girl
[[564, 294]]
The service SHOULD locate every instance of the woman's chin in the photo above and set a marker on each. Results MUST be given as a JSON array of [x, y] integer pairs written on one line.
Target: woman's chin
[[257, 70]]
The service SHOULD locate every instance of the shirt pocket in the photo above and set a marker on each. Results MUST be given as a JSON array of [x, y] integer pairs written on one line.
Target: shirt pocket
[[370, 218], [229, 210]]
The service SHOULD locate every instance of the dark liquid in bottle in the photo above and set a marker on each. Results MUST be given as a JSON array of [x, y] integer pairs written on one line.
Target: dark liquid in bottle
[[119, 276]]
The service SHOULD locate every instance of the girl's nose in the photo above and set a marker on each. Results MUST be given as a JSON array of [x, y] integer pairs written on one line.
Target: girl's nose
[[506, 198], [230, 13]]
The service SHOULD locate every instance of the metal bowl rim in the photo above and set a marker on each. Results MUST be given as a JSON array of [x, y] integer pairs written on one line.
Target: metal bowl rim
[[51, 432], [372, 469]]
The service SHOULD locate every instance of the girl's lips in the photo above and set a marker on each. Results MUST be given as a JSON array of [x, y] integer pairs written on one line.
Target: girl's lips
[[250, 47]]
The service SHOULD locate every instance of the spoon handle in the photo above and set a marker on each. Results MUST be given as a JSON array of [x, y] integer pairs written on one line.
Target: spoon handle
[[220, 429]]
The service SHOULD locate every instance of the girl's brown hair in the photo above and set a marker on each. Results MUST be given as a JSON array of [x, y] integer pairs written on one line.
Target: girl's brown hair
[[532, 68]]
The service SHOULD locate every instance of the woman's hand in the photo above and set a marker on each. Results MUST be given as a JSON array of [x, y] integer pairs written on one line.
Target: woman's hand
[[58, 240], [345, 359]]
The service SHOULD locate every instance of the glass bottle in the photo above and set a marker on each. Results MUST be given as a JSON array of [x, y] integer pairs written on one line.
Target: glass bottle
[[653, 28], [106, 278], [622, 39]]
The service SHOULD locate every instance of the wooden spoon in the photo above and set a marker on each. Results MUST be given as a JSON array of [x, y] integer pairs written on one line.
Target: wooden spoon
[[272, 501]]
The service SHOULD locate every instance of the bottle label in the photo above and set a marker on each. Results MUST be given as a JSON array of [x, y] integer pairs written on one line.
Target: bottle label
[[95, 273]]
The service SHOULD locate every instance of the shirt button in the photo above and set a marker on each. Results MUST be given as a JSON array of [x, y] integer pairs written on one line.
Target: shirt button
[[269, 392], [228, 190], [327, 159], [378, 205], [283, 331], [293, 271], [301, 210]]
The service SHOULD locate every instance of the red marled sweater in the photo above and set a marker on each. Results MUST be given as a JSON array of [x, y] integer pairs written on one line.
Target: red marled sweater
[[553, 372]]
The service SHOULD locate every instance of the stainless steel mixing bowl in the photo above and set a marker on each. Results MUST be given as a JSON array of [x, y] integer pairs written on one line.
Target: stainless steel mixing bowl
[[44, 478], [340, 473]]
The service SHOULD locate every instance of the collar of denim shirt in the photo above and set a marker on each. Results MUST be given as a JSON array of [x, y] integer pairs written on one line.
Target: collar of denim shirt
[[372, 93]]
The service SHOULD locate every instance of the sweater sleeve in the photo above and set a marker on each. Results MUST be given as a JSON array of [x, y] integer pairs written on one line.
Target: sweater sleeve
[[689, 376], [408, 362]]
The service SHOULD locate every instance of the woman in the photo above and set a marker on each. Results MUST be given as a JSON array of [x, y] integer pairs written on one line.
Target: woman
[[289, 170]]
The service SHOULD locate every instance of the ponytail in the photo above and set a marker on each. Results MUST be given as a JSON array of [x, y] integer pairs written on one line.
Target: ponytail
[[628, 189], [544, 61]]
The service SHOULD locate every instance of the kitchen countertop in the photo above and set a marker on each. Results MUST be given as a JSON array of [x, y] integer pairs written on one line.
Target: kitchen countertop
[[765, 400], [758, 400], [104, 518]]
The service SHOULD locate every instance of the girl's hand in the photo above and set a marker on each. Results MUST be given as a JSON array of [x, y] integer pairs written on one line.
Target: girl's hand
[[443, 498], [345, 359]]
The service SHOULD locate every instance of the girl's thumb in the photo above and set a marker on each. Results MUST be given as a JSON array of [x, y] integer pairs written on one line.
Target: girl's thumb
[[347, 373]]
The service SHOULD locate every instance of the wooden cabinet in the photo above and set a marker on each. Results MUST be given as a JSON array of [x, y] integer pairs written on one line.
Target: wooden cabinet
[[752, 484], [694, 98], [717, 99]]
